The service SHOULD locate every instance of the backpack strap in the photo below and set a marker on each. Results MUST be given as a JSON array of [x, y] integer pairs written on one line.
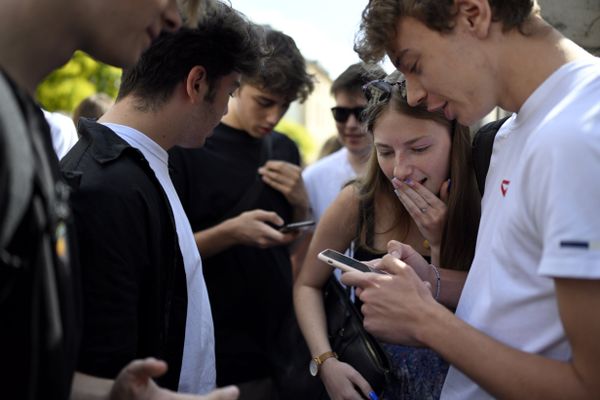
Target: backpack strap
[[20, 161], [483, 142]]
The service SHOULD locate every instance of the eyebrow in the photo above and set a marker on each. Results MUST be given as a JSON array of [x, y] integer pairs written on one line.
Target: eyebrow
[[408, 142], [399, 57]]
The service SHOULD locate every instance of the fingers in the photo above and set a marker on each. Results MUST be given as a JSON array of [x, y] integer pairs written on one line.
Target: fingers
[[147, 368], [416, 196], [445, 191], [267, 216], [361, 384], [226, 393], [280, 173], [357, 279]]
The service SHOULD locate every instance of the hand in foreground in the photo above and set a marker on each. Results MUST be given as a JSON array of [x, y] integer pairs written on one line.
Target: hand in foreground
[[135, 383], [427, 210], [342, 381], [255, 228], [287, 179], [394, 305]]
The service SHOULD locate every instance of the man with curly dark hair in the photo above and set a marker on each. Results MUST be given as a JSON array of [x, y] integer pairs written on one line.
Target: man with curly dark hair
[[236, 190], [527, 324]]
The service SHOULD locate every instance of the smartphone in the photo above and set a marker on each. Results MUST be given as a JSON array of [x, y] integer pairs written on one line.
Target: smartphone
[[345, 263], [295, 226]]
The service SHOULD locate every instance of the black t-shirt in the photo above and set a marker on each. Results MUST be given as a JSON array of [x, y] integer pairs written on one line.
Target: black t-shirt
[[39, 284], [250, 288]]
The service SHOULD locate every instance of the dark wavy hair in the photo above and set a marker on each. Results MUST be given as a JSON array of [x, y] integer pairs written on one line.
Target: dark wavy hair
[[223, 42], [355, 76], [379, 18], [282, 71], [460, 232]]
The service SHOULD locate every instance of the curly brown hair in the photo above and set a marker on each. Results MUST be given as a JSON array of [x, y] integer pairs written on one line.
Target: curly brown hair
[[379, 18], [283, 70]]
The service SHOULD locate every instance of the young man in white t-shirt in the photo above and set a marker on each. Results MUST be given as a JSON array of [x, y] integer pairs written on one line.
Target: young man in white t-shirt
[[143, 286], [527, 322]]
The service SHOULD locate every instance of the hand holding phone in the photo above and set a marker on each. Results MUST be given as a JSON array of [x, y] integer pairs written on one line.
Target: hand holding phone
[[294, 226], [345, 263]]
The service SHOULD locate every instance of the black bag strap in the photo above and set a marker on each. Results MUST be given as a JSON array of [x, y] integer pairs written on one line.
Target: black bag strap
[[483, 142], [248, 199], [19, 153]]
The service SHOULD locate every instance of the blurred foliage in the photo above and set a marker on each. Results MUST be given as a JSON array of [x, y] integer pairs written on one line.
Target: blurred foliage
[[81, 77], [299, 134]]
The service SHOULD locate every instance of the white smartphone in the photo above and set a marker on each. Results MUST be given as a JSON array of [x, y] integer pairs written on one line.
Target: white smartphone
[[345, 263], [294, 226]]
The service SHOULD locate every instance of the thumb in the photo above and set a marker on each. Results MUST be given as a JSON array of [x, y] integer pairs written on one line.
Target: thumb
[[147, 368], [226, 393], [391, 264], [445, 190]]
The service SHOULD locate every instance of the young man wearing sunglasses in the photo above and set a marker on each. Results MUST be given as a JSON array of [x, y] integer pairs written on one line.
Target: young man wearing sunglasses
[[324, 179], [527, 323]]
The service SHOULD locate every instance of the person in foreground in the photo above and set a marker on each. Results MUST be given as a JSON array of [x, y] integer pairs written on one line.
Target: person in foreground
[[408, 143], [143, 287], [527, 324], [39, 301]]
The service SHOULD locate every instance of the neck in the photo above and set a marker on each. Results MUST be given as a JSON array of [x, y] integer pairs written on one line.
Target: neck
[[358, 161], [527, 61], [29, 49], [153, 123]]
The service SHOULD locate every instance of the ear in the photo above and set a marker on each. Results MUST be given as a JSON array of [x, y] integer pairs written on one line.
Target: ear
[[196, 84], [474, 16]]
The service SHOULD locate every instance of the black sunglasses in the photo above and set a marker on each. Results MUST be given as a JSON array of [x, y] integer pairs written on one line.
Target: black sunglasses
[[381, 90], [341, 114]]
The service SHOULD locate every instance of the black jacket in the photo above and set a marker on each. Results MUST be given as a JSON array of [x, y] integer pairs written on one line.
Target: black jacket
[[133, 278]]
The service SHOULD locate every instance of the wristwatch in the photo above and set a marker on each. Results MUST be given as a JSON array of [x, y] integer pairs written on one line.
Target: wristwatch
[[316, 362]]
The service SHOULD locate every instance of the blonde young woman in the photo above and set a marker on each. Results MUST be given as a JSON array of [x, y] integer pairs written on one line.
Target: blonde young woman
[[439, 221]]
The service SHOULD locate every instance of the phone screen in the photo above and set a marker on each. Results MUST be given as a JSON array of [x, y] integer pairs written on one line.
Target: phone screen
[[339, 260]]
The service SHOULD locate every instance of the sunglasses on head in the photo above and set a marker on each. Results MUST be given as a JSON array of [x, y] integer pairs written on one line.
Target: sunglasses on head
[[341, 114], [381, 90]]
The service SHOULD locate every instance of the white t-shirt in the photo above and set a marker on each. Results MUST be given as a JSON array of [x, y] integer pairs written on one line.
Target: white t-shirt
[[198, 372], [325, 178], [540, 219], [63, 132]]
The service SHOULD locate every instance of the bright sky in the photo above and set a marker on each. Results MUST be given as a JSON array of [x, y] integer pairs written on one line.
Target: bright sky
[[323, 29]]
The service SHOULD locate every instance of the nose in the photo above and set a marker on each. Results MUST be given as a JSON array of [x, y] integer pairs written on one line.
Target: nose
[[274, 114], [415, 94], [352, 122], [402, 168], [171, 19]]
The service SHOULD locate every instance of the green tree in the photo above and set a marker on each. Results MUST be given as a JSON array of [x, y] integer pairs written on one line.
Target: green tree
[[79, 78], [299, 134]]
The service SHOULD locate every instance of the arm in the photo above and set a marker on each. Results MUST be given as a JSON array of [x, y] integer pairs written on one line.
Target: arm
[[336, 231], [135, 382], [503, 371], [250, 228]]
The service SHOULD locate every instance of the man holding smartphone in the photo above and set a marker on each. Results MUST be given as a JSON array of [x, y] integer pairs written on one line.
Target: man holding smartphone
[[236, 191], [527, 323]]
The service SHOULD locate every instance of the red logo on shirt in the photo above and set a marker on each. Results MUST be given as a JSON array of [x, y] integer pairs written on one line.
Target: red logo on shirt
[[504, 187]]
